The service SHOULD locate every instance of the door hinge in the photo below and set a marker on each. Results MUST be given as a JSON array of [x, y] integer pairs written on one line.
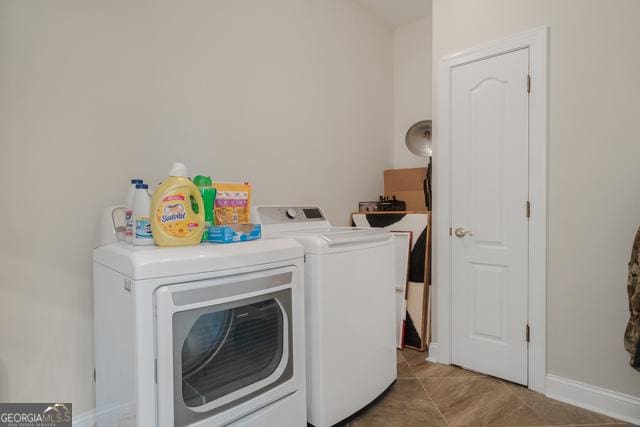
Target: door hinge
[[527, 332], [528, 83], [528, 209], [155, 369], [450, 231]]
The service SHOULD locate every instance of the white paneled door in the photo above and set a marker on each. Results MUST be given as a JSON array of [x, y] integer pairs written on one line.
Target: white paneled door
[[489, 134]]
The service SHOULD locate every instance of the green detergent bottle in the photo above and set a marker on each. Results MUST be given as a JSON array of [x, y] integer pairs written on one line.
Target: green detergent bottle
[[208, 197]]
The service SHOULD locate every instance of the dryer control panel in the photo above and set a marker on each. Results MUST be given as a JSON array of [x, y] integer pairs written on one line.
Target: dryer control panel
[[288, 214]]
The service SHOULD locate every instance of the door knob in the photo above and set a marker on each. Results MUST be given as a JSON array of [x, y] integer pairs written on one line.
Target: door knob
[[461, 232]]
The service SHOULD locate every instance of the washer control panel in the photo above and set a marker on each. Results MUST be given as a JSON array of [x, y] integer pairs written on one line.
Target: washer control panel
[[288, 214]]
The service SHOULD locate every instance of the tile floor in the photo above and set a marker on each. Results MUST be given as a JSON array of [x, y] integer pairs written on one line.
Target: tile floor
[[429, 394]]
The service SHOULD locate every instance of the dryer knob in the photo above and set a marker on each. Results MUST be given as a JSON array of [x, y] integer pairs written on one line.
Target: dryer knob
[[291, 213]]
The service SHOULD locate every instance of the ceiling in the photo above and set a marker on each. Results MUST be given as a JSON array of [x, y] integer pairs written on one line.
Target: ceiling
[[396, 13]]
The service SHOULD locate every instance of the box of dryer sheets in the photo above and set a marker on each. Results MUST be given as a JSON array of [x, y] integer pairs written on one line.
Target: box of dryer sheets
[[234, 233], [407, 185]]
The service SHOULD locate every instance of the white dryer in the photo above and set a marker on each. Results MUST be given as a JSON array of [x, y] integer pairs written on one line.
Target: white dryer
[[350, 309], [206, 335]]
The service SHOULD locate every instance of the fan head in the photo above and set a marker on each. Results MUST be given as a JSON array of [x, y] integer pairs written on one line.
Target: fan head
[[418, 138]]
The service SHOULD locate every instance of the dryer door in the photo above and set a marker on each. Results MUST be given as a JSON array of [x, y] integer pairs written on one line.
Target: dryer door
[[224, 342]]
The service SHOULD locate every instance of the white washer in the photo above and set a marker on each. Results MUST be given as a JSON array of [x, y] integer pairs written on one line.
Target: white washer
[[204, 335], [350, 309]]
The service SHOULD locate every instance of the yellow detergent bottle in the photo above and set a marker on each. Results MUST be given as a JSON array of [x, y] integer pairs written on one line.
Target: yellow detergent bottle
[[173, 219]]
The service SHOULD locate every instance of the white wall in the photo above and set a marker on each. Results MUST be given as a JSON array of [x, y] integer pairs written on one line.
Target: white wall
[[594, 208], [293, 96], [411, 86]]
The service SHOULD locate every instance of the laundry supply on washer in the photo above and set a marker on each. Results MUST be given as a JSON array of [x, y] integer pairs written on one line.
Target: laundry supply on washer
[[141, 221], [234, 233], [208, 194], [233, 203], [174, 221], [128, 210]]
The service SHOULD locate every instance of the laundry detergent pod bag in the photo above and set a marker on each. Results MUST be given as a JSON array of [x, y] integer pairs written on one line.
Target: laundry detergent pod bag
[[233, 203], [177, 210]]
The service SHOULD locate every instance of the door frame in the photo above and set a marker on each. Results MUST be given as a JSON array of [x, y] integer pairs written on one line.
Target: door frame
[[536, 41]]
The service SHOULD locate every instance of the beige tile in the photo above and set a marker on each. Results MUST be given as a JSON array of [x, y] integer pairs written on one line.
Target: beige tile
[[405, 404], [465, 398], [399, 356], [435, 370], [559, 413], [577, 425], [521, 415], [404, 371], [414, 357], [478, 401], [556, 412]]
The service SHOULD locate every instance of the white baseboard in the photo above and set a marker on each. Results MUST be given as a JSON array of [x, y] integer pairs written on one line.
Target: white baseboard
[[85, 419], [124, 415], [597, 399], [433, 353]]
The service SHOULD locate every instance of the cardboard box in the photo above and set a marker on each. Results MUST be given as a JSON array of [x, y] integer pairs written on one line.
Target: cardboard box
[[407, 185]]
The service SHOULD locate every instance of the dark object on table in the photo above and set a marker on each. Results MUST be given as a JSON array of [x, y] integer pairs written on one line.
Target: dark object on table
[[427, 186], [368, 206], [385, 204], [391, 204]]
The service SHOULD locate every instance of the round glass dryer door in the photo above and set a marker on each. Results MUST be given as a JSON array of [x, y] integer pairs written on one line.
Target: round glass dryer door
[[225, 354], [204, 341]]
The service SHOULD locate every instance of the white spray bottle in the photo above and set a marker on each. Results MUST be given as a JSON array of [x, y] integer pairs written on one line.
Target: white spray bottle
[[141, 220]]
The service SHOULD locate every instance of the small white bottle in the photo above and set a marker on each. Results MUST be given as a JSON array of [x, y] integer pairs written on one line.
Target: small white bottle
[[128, 210], [141, 221]]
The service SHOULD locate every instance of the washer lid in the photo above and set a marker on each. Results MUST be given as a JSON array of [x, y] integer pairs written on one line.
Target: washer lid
[[150, 262], [337, 236]]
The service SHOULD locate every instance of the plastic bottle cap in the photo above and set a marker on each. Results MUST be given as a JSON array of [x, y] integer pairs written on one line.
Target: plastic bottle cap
[[140, 185], [178, 169], [202, 181], [136, 181]]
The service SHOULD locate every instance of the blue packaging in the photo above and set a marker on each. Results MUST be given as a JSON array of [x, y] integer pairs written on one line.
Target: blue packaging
[[234, 233]]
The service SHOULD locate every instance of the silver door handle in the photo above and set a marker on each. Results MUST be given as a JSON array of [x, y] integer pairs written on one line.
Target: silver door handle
[[461, 232]]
